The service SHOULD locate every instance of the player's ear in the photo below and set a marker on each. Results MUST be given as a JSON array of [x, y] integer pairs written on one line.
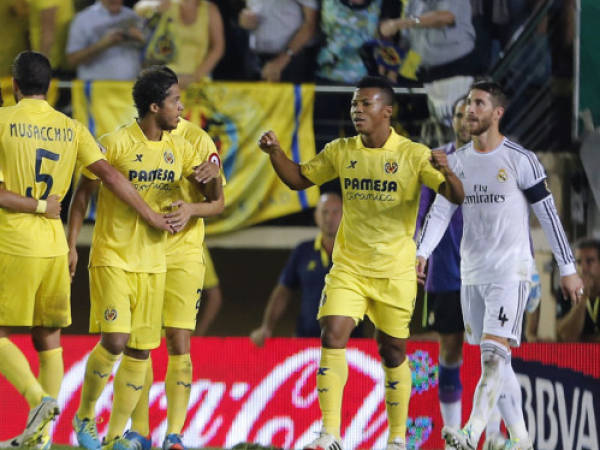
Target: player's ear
[[387, 111], [154, 107], [499, 112]]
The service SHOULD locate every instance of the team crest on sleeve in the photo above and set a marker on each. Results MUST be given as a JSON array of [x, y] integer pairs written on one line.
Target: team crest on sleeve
[[502, 176], [215, 159], [169, 157], [391, 167], [110, 314]]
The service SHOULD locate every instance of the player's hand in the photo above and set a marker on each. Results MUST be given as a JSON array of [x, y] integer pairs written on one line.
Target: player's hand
[[248, 19], [181, 215], [160, 222], [260, 335], [73, 258], [53, 207], [268, 142], [206, 171], [271, 71], [421, 274], [572, 287], [439, 160]]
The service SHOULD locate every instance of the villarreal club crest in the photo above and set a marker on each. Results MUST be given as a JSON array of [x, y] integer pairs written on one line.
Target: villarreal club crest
[[390, 167]]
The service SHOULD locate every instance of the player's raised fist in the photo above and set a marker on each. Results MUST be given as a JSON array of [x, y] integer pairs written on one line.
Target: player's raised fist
[[439, 160], [268, 142]]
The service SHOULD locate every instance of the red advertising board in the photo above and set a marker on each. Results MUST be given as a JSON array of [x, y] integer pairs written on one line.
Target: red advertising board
[[241, 393]]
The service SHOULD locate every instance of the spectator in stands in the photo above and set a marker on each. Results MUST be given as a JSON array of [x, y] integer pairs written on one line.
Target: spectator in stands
[[105, 42], [281, 34], [189, 37], [212, 297], [441, 32], [48, 28], [347, 25], [305, 271], [581, 322], [13, 32]]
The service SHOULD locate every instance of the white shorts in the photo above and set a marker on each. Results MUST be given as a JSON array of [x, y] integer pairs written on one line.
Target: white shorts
[[495, 309]]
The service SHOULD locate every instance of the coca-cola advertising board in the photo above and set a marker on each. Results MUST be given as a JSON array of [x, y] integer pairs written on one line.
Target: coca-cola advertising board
[[241, 393]]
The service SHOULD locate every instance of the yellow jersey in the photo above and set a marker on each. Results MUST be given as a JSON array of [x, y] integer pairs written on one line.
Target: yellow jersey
[[380, 190], [155, 168], [39, 148], [64, 14], [188, 242]]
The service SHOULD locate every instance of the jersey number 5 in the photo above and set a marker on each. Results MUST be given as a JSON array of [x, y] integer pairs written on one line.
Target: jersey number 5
[[40, 154]]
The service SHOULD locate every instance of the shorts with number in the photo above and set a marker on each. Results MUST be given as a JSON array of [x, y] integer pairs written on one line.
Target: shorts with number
[[183, 288], [495, 309], [127, 302], [388, 302], [444, 313], [35, 291]]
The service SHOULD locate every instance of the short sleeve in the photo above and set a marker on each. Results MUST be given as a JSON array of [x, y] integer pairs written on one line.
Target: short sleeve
[[529, 170], [191, 157], [290, 277], [78, 37], [88, 151], [321, 168], [428, 175]]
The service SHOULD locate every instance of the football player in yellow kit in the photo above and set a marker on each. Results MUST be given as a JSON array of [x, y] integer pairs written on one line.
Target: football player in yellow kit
[[128, 258], [39, 148], [373, 271]]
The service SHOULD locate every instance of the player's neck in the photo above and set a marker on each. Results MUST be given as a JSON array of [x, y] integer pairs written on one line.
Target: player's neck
[[377, 138], [34, 97], [487, 141], [327, 244], [150, 128]]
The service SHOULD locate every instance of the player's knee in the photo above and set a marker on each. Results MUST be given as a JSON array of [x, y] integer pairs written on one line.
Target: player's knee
[[392, 353], [114, 342], [493, 355], [178, 341], [333, 335], [44, 339]]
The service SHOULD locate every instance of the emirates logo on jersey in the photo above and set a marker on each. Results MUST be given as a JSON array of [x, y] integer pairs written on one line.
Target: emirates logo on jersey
[[391, 167], [110, 314], [169, 157], [502, 176]]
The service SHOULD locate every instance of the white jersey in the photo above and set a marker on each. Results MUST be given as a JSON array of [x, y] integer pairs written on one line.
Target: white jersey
[[496, 243]]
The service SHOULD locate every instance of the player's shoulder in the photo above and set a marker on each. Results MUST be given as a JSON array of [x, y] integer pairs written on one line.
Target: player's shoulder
[[516, 150], [121, 136]]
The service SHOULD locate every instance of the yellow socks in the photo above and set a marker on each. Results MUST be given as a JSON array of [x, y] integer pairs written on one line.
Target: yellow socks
[[15, 367], [52, 370], [178, 383], [97, 370], [398, 384], [128, 385], [140, 417], [331, 379]]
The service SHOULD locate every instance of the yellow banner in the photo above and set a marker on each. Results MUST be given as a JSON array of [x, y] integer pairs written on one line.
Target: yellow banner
[[8, 95], [234, 115]]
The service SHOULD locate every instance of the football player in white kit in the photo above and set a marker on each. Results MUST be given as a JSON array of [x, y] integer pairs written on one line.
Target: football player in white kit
[[501, 180]]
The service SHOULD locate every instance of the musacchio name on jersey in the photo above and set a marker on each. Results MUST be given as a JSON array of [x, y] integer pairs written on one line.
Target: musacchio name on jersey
[[45, 133]]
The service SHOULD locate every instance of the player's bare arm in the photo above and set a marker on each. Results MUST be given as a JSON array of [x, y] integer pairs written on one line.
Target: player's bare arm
[[572, 287], [420, 267], [50, 207], [287, 170], [183, 212], [124, 190], [452, 188], [278, 302], [207, 177], [77, 210]]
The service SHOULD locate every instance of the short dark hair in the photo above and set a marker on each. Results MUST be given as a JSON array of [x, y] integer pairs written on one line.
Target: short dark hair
[[589, 243], [32, 72], [151, 86], [380, 83], [498, 94]]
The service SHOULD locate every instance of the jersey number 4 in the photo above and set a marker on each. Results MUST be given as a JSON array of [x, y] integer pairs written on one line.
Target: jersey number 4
[[40, 154], [501, 316]]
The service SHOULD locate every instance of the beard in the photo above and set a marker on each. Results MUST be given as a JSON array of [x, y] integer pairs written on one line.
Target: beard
[[480, 127]]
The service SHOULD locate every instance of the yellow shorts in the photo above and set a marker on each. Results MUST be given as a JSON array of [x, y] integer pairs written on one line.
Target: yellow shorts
[[211, 279], [35, 291], [388, 302], [183, 288], [127, 302]]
